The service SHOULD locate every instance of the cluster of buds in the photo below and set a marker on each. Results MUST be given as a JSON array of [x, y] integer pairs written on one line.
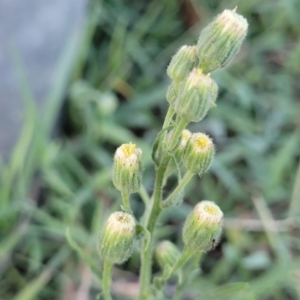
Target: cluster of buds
[[192, 92], [115, 244], [191, 95], [196, 152]]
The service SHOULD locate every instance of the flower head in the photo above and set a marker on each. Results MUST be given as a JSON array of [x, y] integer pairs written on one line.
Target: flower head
[[198, 153], [166, 253], [182, 63], [203, 226], [221, 40], [195, 96], [117, 239], [127, 171]]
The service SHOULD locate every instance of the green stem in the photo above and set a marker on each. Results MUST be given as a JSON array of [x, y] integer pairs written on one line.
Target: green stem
[[147, 201], [144, 195], [107, 280], [169, 117], [186, 178], [195, 260], [191, 270], [126, 201], [184, 257], [146, 254]]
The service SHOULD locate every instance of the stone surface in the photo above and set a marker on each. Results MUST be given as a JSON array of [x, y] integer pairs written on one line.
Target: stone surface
[[37, 31]]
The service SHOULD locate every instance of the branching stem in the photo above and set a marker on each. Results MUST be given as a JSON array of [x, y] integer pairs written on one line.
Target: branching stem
[[146, 255], [186, 178]]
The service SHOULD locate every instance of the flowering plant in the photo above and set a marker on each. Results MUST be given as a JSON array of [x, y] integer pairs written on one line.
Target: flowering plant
[[191, 95]]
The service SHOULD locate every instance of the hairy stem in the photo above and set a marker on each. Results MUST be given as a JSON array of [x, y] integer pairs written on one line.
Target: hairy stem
[[146, 254], [169, 117], [126, 201], [184, 257], [107, 280], [186, 178]]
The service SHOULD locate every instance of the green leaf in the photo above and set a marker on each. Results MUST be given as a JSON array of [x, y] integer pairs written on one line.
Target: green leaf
[[84, 256], [36, 285], [232, 291]]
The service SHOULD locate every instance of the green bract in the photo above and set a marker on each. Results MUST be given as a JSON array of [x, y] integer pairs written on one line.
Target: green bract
[[196, 95], [172, 92], [166, 253], [198, 153], [116, 243], [221, 40], [127, 172], [203, 226], [182, 63]]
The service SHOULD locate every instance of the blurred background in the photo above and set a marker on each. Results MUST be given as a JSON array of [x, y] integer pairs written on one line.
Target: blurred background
[[99, 80]]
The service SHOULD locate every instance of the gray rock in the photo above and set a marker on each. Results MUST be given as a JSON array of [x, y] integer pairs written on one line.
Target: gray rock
[[38, 31]]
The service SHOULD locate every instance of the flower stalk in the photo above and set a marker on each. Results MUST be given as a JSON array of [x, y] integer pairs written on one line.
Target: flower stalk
[[106, 283]]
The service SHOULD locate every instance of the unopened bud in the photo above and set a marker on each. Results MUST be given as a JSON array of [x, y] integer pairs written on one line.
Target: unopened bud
[[185, 136], [182, 63], [117, 240], [203, 226], [196, 96], [166, 253], [198, 153], [127, 171], [172, 93], [221, 40]]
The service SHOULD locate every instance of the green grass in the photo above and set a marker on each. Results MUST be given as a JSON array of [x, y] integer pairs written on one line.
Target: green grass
[[115, 85]]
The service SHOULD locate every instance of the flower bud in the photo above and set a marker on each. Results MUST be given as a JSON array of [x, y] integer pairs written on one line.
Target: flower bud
[[172, 93], [182, 63], [166, 253], [185, 136], [196, 96], [203, 227], [221, 40], [199, 153], [127, 171], [117, 240]]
